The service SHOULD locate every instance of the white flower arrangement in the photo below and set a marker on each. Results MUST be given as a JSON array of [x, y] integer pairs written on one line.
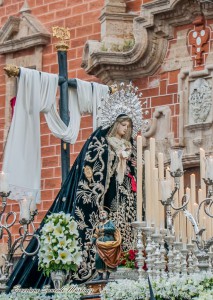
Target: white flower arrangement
[[59, 249], [194, 286], [35, 295]]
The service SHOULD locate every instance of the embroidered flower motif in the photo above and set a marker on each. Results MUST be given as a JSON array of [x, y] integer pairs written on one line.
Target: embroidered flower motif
[[88, 172]]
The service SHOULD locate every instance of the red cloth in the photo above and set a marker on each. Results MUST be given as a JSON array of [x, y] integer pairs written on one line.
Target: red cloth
[[133, 182], [12, 104]]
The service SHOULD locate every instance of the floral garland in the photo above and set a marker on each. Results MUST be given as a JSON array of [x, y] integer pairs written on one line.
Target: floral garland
[[188, 287], [59, 248], [194, 286], [27, 295]]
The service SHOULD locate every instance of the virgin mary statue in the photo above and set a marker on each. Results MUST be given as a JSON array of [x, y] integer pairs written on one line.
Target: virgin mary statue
[[103, 175]]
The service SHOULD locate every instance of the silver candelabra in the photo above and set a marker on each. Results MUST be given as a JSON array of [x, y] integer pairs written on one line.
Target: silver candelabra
[[7, 220]]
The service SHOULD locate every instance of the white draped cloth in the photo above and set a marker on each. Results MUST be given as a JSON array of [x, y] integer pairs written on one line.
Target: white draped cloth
[[37, 93], [84, 99]]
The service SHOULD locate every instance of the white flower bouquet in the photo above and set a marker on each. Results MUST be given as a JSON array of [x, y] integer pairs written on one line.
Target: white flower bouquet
[[59, 249]]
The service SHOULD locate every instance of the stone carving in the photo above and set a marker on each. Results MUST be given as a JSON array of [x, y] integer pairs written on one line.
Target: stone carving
[[151, 32], [198, 142], [198, 39], [200, 101]]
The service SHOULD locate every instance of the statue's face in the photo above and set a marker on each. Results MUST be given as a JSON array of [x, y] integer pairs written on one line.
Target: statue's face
[[122, 128], [103, 215]]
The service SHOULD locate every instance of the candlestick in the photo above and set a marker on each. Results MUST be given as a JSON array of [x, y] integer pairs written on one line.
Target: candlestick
[[139, 179]]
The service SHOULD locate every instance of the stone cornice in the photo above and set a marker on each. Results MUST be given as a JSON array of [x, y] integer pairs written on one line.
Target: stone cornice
[[151, 31], [24, 43], [137, 62], [201, 126]]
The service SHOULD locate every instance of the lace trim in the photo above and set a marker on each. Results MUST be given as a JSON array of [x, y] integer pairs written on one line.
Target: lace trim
[[18, 193]]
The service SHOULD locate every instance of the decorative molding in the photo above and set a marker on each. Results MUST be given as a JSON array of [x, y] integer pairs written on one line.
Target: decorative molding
[[201, 126], [20, 33], [191, 134], [190, 161], [198, 142], [198, 39], [151, 32], [200, 101]]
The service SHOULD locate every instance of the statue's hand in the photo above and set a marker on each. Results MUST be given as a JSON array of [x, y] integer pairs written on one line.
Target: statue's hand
[[89, 244]]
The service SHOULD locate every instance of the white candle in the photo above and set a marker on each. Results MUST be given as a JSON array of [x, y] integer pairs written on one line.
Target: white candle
[[139, 178], [182, 216], [24, 209], [156, 202], [189, 208], [193, 193], [152, 153], [166, 189], [209, 168], [168, 176], [161, 176], [4, 185], [148, 187], [174, 161], [202, 172], [32, 202], [201, 214], [33, 206]]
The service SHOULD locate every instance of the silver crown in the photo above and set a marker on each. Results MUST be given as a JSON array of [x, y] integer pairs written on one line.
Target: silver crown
[[125, 100]]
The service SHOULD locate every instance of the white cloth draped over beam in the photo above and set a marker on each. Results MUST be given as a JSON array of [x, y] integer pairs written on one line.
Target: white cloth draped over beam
[[37, 93]]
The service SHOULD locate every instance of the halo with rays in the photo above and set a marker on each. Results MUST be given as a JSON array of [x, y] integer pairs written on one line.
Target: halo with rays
[[125, 100]]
